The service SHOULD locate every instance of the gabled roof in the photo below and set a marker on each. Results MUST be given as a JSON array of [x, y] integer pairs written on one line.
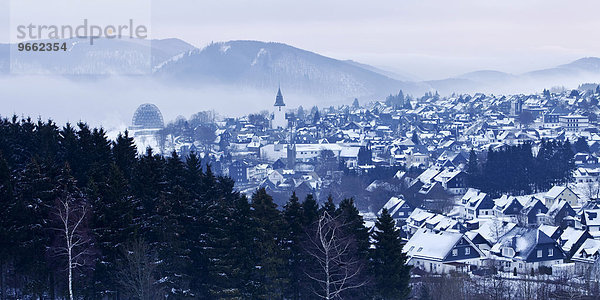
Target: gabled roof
[[589, 248], [532, 203], [504, 202], [473, 198], [420, 215], [569, 237], [435, 246], [549, 230], [557, 207], [394, 205], [523, 241], [556, 190]]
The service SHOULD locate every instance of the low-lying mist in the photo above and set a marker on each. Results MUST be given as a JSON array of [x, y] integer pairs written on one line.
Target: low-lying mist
[[111, 101]]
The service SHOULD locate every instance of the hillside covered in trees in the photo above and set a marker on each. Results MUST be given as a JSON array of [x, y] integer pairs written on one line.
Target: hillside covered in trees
[[84, 217], [518, 170]]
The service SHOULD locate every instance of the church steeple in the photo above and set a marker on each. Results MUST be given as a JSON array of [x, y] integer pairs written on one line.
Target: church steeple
[[279, 99]]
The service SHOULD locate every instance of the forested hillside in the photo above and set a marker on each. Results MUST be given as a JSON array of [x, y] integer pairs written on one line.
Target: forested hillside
[[84, 217]]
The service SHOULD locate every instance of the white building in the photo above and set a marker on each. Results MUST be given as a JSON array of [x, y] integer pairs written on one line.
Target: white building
[[574, 123], [279, 120]]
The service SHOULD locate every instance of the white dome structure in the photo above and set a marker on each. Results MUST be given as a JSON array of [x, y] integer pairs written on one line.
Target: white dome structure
[[147, 116]]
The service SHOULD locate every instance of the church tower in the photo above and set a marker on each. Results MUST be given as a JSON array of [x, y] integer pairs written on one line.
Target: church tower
[[279, 112]]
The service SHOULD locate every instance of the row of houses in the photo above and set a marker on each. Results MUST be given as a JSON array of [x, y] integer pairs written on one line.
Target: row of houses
[[521, 234]]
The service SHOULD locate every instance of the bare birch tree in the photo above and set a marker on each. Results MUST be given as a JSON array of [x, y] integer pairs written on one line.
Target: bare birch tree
[[136, 273], [71, 213], [337, 268]]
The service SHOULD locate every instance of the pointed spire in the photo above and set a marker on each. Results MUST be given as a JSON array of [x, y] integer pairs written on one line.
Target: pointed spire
[[279, 98]]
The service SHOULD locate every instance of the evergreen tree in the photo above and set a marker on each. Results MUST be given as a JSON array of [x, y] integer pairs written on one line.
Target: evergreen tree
[[243, 252], [391, 274], [316, 116], [353, 226], [124, 153], [581, 146], [473, 169], [7, 242], [35, 197], [546, 94], [294, 236], [269, 276], [310, 211], [329, 206], [112, 226]]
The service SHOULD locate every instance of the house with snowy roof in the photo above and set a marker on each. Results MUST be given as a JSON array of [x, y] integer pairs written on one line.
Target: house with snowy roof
[[453, 180], [417, 219], [586, 257], [477, 238], [507, 206], [493, 229], [534, 211], [571, 239], [590, 219], [586, 175], [398, 208], [476, 204], [553, 232], [558, 193], [525, 249], [558, 212], [442, 223], [442, 252]]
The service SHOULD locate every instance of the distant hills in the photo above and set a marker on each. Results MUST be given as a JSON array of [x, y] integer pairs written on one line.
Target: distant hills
[[264, 66], [568, 75], [267, 65]]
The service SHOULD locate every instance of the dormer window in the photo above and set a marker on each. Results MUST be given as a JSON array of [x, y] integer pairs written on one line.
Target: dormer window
[[508, 252]]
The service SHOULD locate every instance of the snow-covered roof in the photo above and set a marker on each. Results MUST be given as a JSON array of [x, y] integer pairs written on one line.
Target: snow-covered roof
[[569, 237], [420, 215], [548, 230], [522, 240], [393, 205], [592, 217], [589, 248], [555, 191], [431, 245], [493, 229]]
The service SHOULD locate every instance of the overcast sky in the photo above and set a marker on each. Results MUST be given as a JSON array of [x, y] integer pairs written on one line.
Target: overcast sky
[[426, 38]]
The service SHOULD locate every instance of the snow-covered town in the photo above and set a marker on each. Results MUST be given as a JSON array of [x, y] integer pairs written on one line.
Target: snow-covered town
[[420, 158], [299, 150]]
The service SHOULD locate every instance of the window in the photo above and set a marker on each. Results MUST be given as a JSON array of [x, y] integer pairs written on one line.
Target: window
[[420, 248], [467, 251], [454, 252], [550, 252], [539, 253]]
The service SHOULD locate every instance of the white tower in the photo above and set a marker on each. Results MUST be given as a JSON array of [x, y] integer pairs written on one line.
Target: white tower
[[279, 112]]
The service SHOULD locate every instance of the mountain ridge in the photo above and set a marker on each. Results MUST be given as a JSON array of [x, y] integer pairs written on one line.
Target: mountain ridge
[[265, 65]]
